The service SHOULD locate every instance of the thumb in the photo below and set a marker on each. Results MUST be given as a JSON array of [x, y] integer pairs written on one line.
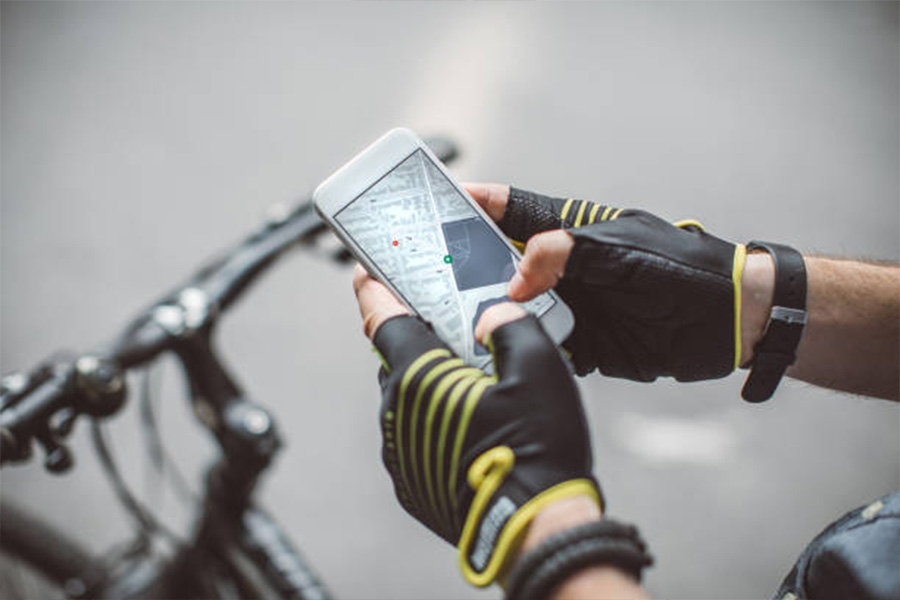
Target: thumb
[[542, 266], [523, 350], [494, 317]]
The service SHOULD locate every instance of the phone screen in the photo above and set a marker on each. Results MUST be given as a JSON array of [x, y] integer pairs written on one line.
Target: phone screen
[[436, 251]]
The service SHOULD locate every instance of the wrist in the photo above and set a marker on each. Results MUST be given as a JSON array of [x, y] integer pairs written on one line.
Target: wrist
[[757, 291], [555, 518], [561, 515], [591, 581]]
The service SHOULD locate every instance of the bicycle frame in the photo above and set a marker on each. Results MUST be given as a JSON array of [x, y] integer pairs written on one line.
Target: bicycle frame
[[236, 549]]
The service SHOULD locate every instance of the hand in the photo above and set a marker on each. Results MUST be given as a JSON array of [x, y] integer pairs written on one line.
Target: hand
[[477, 458], [649, 298]]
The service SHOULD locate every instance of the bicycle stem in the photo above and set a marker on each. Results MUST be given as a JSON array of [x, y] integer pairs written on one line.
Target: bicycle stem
[[244, 430]]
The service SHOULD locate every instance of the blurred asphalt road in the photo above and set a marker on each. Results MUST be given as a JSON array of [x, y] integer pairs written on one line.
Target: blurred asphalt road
[[140, 138]]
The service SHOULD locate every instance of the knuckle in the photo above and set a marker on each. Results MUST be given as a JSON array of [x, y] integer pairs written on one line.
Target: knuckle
[[539, 252]]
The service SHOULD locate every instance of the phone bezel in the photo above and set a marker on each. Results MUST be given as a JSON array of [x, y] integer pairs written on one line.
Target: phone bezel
[[347, 183]]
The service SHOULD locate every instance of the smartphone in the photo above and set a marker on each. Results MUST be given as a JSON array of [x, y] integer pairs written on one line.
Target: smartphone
[[416, 230]]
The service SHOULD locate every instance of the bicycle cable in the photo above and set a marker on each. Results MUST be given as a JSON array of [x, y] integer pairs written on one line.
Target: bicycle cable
[[146, 523], [161, 461], [153, 466]]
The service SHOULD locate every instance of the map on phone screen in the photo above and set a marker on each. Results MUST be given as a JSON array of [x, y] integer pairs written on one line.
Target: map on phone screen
[[436, 250]]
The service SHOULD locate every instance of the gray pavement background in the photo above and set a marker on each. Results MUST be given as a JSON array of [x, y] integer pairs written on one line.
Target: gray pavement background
[[140, 138]]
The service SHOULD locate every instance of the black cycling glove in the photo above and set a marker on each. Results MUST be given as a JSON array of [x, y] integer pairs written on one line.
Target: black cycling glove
[[474, 457], [650, 298]]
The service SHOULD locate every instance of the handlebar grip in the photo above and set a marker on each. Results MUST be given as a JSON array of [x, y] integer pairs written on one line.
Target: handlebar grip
[[24, 419]]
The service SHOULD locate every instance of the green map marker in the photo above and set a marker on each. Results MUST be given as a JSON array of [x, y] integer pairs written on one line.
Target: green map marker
[[448, 259]]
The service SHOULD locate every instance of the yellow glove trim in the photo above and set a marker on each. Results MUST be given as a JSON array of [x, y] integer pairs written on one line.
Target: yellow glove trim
[[408, 376], [433, 403], [737, 273], [688, 223], [472, 400], [429, 378], [384, 362], [592, 217], [449, 408], [565, 211], [489, 342], [485, 475], [580, 214], [606, 212], [616, 214]]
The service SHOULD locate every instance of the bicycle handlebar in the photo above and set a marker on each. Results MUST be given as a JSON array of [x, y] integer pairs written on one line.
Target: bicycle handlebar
[[221, 282], [211, 291], [25, 408], [35, 408], [94, 383]]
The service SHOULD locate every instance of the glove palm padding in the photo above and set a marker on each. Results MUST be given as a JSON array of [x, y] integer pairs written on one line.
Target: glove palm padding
[[475, 457]]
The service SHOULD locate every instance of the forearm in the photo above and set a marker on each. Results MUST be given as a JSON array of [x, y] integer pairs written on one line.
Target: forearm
[[851, 341], [594, 583]]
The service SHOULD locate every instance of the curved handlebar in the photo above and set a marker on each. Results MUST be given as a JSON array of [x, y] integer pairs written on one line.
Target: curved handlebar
[[194, 306], [217, 285]]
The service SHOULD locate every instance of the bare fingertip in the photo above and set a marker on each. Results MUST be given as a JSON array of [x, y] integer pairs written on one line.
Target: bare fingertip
[[496, 316], [514, 289]]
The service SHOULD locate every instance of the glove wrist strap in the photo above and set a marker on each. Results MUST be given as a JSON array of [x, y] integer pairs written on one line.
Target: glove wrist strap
[[776, 350], [495, 526], [604, 542]]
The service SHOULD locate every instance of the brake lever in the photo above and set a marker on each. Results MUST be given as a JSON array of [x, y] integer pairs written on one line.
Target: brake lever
[[44, 405]]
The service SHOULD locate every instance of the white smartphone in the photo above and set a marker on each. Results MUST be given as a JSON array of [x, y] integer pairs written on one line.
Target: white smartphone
[[419, 232]]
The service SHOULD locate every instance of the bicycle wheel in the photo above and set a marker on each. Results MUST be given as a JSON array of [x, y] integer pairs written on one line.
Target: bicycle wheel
[[37, 560]]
